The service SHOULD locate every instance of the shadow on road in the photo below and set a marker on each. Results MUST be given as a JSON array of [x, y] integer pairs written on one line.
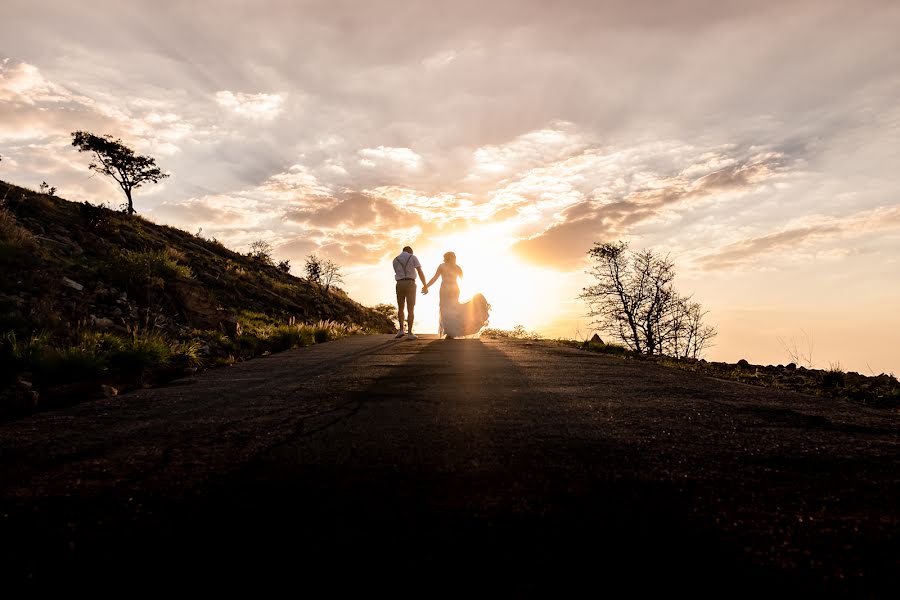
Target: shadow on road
[[443, 470], [444, 485]]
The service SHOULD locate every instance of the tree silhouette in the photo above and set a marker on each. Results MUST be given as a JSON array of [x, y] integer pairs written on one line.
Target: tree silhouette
[[115, 159], [261, 251], [634, 300], [323, 271]]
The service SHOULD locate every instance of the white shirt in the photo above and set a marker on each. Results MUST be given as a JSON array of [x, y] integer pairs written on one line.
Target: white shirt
[[405, 266]]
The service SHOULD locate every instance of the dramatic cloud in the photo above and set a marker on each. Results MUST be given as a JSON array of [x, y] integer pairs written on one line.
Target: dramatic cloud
[[613, 209]]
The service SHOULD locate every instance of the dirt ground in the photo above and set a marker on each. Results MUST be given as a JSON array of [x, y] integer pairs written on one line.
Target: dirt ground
[[448, 467]]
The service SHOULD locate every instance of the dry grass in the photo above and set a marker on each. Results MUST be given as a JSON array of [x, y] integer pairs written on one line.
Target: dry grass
[[14, 236]]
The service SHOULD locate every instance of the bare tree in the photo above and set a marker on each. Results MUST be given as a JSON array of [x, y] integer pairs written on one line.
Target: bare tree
[[323, 271], [115, 159], [684, 335], [635, 302], [331, 274], [261, 251]]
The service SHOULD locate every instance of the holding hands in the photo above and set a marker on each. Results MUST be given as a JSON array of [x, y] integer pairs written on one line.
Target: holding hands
[[424, 289]]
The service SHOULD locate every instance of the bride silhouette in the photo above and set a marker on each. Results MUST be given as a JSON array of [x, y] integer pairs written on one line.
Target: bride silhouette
[[457, 320]]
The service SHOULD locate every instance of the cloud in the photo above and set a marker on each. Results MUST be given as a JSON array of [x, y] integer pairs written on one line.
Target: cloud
[[460, 114], [757, 249], [529, 150], [612, 208], [297, 184], [255, 106], [354, 211], [404, 157], [23, 82]]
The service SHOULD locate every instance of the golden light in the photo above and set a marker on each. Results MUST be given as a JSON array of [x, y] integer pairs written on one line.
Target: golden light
[[516, 290]]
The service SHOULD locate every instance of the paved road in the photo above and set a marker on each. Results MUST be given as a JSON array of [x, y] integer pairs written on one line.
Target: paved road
[[447, 467]]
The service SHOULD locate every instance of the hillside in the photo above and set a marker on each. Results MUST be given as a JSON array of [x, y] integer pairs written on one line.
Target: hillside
[[93, 301]]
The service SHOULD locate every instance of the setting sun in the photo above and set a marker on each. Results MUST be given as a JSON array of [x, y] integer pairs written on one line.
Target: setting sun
[[490, 268]]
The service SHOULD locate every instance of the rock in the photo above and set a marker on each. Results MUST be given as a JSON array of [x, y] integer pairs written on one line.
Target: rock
[[743, 363], [72, 284], [195, 302], [595, 339], [103, 323], [109, 391]]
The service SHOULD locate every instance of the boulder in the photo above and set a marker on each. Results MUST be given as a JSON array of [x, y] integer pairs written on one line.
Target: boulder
[[595, 339]]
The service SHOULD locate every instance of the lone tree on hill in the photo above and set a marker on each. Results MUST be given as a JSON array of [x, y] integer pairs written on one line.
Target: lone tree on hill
[[115, 159], [634, 301]]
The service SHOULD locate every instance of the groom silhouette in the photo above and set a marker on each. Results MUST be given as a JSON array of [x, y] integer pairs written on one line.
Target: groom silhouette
[[405, 266]]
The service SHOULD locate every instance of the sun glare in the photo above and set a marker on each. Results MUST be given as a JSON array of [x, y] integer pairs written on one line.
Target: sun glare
[[513, 288]]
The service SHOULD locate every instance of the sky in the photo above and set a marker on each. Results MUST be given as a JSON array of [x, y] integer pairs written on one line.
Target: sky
[[757, 143]]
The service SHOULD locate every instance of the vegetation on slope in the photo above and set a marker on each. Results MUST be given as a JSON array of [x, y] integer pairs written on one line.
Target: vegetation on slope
[[94, 301]]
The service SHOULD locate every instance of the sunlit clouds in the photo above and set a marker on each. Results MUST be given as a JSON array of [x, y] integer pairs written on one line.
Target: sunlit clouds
[[254, 106], [382, 156], [757, 142]]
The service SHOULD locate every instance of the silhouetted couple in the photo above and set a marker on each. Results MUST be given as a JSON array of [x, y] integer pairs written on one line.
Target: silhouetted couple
[[456, 319]]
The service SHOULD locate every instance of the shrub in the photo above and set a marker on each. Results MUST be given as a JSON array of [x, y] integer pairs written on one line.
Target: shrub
[[136, 270], [517, 332], [606, 348], [66, 365], [833, 377], [28, 349], [188, 353], [139, 355], [321, 335]]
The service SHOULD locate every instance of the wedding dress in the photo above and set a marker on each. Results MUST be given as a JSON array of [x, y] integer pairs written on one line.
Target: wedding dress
[[461, 319]]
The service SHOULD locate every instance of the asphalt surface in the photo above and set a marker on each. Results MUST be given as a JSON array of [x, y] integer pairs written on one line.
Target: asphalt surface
[[454, 467]]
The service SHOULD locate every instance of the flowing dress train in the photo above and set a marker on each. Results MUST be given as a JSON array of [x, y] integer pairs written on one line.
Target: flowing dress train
[[461, 319]]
